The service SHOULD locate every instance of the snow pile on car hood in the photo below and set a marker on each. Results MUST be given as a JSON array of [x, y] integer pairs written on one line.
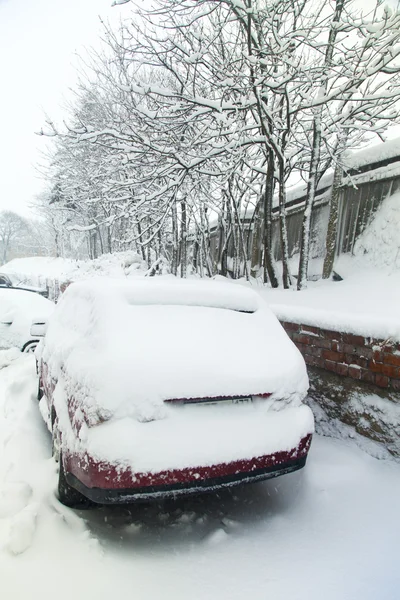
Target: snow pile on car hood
[[122, 348]]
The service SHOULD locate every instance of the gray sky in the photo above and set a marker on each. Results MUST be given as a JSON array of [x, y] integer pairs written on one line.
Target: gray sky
[[38, 42]]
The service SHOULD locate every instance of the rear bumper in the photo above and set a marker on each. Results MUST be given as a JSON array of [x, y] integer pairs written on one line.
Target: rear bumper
[[105, 484]]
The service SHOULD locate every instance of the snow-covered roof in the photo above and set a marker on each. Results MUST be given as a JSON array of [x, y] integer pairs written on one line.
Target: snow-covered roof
[[373, 154]]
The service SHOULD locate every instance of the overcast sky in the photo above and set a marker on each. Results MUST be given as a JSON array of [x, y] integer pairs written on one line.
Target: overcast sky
[[38, 42]]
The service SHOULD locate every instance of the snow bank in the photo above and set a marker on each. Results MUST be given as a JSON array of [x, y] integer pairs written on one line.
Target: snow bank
[[34, 269], [365, 303], [27, 473], [380, 241]]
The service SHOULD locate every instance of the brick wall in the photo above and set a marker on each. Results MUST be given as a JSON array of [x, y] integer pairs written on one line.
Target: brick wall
[[365, 359]]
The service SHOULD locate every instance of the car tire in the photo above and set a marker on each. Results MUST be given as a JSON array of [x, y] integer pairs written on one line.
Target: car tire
[[68, 495], [30, 347], [40, 392]]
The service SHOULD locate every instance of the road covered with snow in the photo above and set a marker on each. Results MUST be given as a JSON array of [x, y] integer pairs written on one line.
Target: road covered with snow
[[330, 531]]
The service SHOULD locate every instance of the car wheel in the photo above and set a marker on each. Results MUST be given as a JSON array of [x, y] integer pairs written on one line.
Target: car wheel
[[68, 495], [40, 392], [30, 347]]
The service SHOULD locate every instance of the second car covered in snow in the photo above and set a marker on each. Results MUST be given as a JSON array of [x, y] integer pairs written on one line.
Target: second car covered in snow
[[158, 387]]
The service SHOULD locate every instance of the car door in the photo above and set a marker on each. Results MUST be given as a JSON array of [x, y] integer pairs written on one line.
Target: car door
[[6, 321]]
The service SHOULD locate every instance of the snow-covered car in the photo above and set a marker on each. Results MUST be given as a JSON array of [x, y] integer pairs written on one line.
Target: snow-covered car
[[6, 281], [158, 387], [23, 317]]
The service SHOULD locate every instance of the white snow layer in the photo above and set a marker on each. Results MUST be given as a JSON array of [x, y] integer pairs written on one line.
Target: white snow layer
[[380, 241], [372, 154], [365, 303], [18, 308], [120, 358], [35, 269], [331, 529]]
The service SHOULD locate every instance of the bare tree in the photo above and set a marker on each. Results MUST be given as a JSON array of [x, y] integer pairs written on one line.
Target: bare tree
[[12, 228]]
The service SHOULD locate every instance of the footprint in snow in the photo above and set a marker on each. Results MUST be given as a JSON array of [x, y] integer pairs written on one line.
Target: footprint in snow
[[14, 497], [22, 530]]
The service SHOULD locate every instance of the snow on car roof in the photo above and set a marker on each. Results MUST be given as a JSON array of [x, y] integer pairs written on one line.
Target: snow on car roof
[[171, 291]]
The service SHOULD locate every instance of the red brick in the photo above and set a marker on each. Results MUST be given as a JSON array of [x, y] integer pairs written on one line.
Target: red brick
[[354, 372], [310, 329], [390, 371], [356, 350], [342, 369], [302, 339], [329, 365], [378, 356], [337, 346], [353, 359], [331, 335], [310, 360], [391, 359], [315, 351], [319, 362], [290, 326], [375, 367], [382, 380], [395, 384], [322, 343], [302, 347], [354, 340], [330, 355], [390, 348], [367, 376]]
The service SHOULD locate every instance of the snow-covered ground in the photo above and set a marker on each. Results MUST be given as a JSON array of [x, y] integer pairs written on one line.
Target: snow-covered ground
[[330, 531]]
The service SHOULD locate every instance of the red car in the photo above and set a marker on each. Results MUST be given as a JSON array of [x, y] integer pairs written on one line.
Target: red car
[[153, 388]]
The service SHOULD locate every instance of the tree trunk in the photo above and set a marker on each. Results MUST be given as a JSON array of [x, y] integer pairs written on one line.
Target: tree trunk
[[315, 153], [269, 269], [140, 240], [311, 189], [174, 261], [100, 239], [183, 240], [221, 258], [286, 279], [332, 223], [258, 237]]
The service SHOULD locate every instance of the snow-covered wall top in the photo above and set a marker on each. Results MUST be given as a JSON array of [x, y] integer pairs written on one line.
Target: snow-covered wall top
[[373, 154]]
